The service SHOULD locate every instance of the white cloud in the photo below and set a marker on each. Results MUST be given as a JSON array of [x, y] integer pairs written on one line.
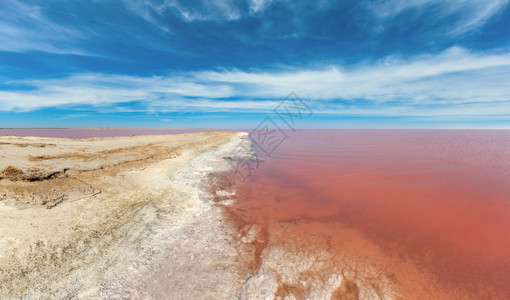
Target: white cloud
[[453, 82], [454, 75], [100, 90]]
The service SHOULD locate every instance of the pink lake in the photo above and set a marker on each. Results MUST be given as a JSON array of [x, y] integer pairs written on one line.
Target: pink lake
[[428, 208]]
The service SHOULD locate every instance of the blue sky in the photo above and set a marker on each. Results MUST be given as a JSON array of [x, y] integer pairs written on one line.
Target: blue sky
[[227, 64]]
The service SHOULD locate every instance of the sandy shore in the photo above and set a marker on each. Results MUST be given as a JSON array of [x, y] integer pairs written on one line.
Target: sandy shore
[[95, 218]]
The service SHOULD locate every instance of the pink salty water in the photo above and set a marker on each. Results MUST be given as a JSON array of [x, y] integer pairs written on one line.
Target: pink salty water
[[429, 209]]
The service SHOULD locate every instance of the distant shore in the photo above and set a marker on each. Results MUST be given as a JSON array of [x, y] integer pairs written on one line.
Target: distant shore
[[78, 133]]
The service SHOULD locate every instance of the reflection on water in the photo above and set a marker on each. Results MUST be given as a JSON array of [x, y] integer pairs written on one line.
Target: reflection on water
[[429, 209]]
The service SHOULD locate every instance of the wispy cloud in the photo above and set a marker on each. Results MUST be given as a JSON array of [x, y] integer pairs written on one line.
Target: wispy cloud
[[259, 5], [25, 28], [188, 11], [454, 82], [33, 26], [468, 15]]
